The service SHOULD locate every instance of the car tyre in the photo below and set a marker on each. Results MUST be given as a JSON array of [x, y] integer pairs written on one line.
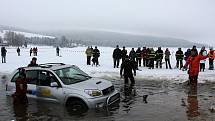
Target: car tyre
[[76, 106]]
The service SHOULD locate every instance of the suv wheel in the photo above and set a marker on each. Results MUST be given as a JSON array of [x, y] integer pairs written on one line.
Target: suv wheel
[[76, 106]]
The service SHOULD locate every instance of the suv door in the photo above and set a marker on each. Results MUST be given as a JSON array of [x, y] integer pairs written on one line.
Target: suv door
[[49, 88], [31, 76]]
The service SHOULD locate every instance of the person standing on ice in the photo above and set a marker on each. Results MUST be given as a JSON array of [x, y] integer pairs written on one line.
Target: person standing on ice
[[89, 53], [211, 58], [18, 51], [167, 58], [187, 54], [36, 50], [151, 56], [117, 55], [124, 53], [203, 52], [3, 54], [144, 56], [58, 51], [159, 57], [126, 70], [132, 56], [179, 58], [96, 55], [138, 52], [31, 50], [193, 62]]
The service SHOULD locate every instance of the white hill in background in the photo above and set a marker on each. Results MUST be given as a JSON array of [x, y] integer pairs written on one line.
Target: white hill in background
[[26, 34]]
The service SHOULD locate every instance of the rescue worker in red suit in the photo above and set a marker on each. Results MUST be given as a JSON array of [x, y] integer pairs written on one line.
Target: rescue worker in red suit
[[193, 62], [21, 88]]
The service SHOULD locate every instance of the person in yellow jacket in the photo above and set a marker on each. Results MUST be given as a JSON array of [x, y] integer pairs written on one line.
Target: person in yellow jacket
[[89, 54]]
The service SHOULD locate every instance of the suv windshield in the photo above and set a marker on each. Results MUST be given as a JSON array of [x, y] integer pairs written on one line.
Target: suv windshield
[[71, 75]]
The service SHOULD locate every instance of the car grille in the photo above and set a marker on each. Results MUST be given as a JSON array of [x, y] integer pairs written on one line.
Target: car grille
[[114, 99], [108, 90]]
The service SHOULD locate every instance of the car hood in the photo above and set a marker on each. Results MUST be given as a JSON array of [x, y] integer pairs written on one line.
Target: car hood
[[93, 83]]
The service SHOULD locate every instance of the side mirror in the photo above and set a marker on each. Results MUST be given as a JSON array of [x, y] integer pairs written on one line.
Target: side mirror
[[54, 84]]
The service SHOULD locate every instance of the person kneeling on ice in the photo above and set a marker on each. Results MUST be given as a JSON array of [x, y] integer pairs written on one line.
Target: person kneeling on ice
[[126, 67], [193, 62]]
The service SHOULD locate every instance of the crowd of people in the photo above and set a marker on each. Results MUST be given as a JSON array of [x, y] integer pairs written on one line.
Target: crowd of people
[[148, 57]]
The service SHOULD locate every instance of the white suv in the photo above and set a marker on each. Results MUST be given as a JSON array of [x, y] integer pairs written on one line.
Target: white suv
[[68, 85]]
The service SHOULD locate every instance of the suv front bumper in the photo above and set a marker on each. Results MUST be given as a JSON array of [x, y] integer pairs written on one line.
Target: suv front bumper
[[107, 100]]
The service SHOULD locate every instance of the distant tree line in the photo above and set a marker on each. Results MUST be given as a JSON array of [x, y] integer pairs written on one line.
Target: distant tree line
[[15, 39]]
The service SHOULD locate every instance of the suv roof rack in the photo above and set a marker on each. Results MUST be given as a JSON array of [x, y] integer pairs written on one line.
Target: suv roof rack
[[49, 65]]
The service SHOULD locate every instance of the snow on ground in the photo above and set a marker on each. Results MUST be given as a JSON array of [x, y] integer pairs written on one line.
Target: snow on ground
[[76, 56], [26, 34]]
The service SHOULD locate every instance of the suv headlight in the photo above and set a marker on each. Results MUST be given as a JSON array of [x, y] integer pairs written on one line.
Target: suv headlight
[[93, 92]]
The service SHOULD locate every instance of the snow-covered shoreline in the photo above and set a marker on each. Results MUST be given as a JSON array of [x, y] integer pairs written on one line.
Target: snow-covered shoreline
[[76, 56]]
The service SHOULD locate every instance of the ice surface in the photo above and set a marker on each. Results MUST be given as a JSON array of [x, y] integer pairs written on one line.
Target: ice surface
[[76, 56]]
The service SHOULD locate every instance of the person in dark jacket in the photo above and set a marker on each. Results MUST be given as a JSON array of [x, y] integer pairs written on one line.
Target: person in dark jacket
[[187, 54], [179, 58], [21, 88], [132, 56], [151, 56], [194, 49], [33, 62], [31, 50], [117, 55], [18, 51], [138, 56], [96, 55], [124, 53], [57, 51], [167, 58], [3, 54], [144, 56], [159, 57], [126, 70]]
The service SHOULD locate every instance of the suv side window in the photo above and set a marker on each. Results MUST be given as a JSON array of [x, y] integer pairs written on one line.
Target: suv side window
[[46, 78], [32, 76], [14, 77]]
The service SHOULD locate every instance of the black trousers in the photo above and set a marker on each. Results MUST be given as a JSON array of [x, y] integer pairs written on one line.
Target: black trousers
[[211, 65], [18, 53], [202, 66], [58, 54], [159, 63], [168, 63], [131, 77], [3, 59], [144, 62], [151, 63], [179, 62], [88, 60], [95, 61], [139, 61], [116, 62]]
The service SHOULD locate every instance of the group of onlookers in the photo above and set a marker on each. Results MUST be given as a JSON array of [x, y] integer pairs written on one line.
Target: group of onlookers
[[94, 54], [34, 51]]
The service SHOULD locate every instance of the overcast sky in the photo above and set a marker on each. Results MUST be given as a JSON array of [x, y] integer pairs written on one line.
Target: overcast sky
[[188, 19]]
